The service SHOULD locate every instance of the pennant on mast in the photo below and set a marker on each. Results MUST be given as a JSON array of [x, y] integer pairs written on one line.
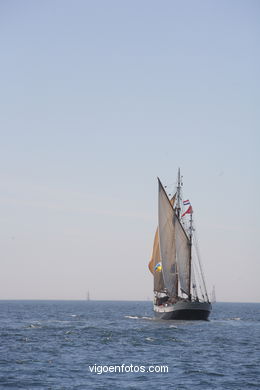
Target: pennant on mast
[[188, 211]]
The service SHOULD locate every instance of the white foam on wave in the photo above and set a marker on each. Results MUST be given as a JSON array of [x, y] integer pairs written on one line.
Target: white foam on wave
[[35, 325], [140, 318]]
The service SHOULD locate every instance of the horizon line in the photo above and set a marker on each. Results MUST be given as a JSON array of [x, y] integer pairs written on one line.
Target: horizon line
[[102, 300]]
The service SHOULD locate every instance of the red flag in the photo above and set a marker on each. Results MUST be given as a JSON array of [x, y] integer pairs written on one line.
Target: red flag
[[188, 211]]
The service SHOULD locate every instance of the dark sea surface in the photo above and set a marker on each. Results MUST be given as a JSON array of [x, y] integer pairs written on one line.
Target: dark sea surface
[[54, 344]]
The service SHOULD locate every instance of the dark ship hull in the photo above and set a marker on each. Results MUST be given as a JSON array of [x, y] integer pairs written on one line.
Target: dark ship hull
[[183, 310]]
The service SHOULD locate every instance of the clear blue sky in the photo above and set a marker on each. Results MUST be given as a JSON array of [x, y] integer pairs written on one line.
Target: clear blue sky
[[97, 99]]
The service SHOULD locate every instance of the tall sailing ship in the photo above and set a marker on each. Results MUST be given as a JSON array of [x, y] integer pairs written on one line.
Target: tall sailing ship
[[179, 284]]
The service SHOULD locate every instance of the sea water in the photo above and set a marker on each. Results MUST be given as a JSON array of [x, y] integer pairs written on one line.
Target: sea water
[[73, 345]]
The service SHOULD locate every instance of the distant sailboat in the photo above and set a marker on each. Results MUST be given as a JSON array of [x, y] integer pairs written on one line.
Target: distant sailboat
[[179, 284], [213, 295], [88, 296]]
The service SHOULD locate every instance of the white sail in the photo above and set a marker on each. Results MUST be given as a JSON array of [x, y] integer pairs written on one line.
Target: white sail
[[166, 220], [183, 256], [213, 295]]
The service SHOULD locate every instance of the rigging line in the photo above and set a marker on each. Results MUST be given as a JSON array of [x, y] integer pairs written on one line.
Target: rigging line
[[199, 273], [200, 264], [198, 277], [196, 272]]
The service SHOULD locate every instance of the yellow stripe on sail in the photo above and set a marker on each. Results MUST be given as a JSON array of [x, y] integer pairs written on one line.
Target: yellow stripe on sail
[[156, 253]]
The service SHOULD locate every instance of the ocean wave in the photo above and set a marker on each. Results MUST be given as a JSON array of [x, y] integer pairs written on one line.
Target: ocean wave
[[149, 339], [34, 326], [148, 318]]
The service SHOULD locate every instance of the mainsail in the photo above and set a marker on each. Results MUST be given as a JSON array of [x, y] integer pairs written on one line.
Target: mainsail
[[167, 246], [172, 248]]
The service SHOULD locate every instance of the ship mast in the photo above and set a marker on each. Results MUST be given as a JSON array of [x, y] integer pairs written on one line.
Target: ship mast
[[178, 213], [190, 244], [178, 195]]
